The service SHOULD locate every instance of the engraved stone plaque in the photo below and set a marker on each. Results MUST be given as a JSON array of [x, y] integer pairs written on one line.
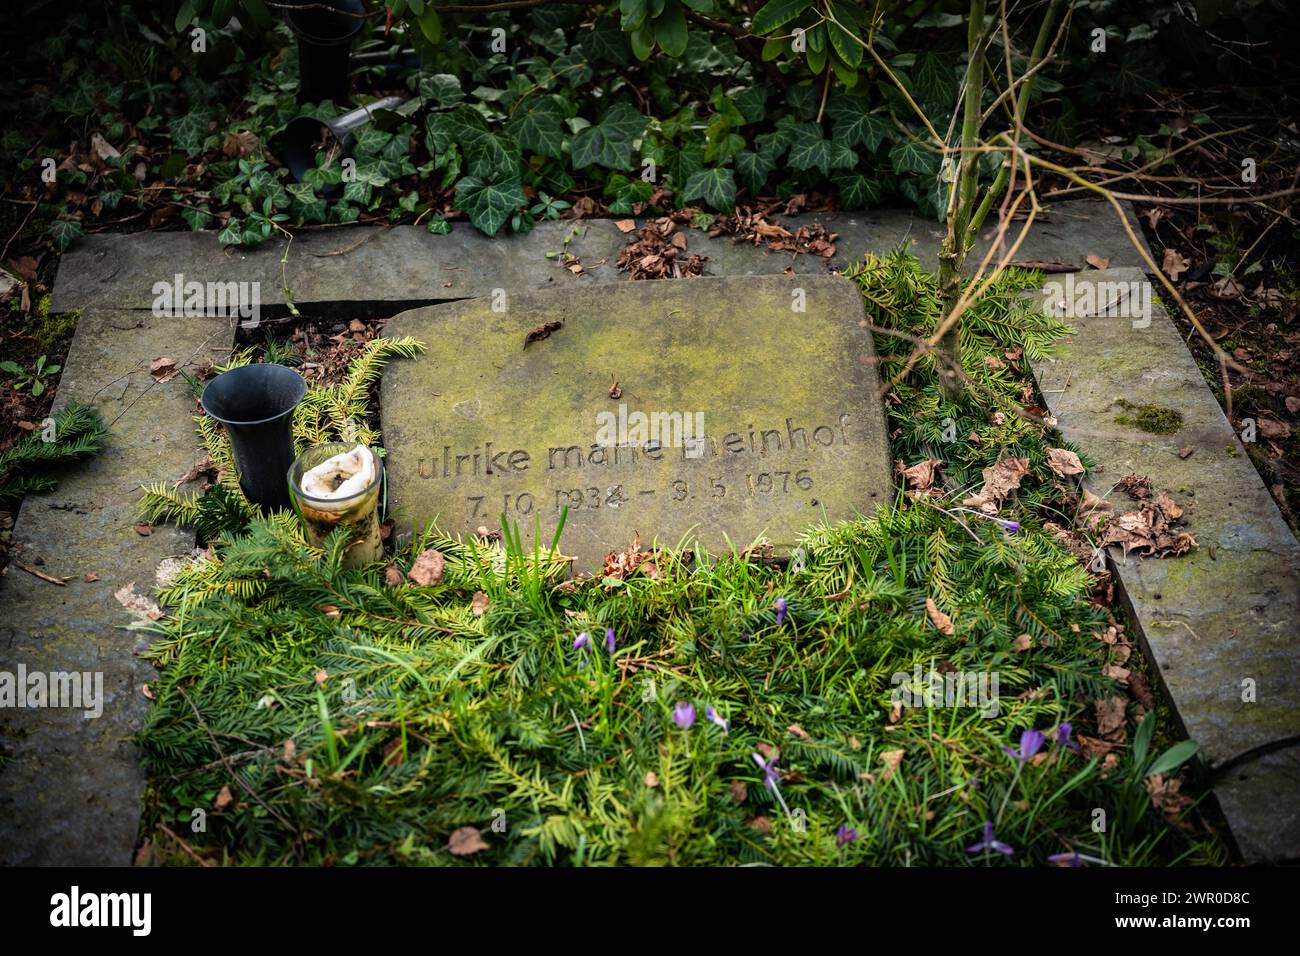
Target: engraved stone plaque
[[715, 410]]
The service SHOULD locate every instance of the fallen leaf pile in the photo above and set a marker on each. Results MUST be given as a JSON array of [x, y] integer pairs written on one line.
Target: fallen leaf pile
[[327, 358], [1150, 529], [753, 227], [623, 564], [658, 251]]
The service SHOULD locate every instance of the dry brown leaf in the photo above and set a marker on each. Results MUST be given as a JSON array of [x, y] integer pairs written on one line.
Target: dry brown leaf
[[921, 475], [1023, 642], [891, 759], [999, 481], [942, 622], [651, 780], [798, 732], [1110, 718], [625, 225], [465, 841], [428, 568], [1097, 262], [138, 604], [163, 370], [1272, 428], [480, 603], [1174, 264], [224, 798], [1064, 462], [393, 576]]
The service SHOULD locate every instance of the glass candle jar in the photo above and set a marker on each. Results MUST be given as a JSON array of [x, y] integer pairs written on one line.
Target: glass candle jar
[[340, 496]]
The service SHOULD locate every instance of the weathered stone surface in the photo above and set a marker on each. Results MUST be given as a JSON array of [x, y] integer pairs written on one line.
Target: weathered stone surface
[[406, 264], [70, 787], [1226, 613], [793, 429]]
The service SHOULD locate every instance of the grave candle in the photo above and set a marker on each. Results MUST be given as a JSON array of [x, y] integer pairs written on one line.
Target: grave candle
[[337, 485]]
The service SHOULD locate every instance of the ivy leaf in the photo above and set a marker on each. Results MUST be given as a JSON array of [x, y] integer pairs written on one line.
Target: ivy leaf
[[233, 234], [752, 102], [753, 169], [857, 191], [438, 226], [809, 149], [802, 100], [538, 130], [609, 143], [853, 125], [936, 83], [911, 157], [716, 186], [606, 42], [189, 131], [196, 218], [63, 231], [777, 14], [489, 204], [489, 154], [443, 88]]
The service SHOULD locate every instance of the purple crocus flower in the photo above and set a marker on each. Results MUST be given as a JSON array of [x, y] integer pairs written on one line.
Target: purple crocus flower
[[1031, 741], [582, 641], [610, 642], [1063, 737], [771, 776], [990, 842], [1012, 526], [1066, 859], [684, 714], [716, 718], [779, 606], [845, 834]]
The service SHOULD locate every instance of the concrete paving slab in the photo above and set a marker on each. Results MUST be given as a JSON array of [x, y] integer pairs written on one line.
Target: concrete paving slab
[[1220, 624], [70, 786]]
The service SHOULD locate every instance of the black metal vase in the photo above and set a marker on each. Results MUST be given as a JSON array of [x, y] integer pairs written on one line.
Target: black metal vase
[[255, 403], [324, 47]]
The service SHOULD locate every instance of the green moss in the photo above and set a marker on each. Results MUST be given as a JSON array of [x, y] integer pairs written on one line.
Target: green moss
[[1156, 419], [52, 332]]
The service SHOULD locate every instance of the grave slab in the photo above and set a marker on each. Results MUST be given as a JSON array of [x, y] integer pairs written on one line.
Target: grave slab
[[1224, 615], [405, 264], [791, 431], [70, 786]]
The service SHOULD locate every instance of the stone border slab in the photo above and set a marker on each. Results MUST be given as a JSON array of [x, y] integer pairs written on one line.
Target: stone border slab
[[405, 264], [1226, 613], [70, 787]]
